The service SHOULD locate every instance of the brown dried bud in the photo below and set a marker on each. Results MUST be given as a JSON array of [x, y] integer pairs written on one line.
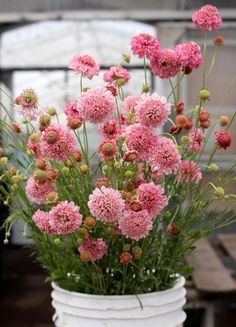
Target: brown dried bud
[[224, 120], [219, 41], [41, 163], [45, 120], [187, 70], [89, 222]]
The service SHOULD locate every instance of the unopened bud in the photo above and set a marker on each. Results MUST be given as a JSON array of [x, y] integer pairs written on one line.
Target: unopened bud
[[213, 167], [52, 111], [219, 41], [145, 88], [224, 120], [204, 95], [3, 161], [84, 169]]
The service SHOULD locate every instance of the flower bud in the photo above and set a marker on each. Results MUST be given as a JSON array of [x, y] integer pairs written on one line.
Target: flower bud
[[89, 222], [80, 240], [13, 170], [41, 163], [52, 197], [145, 88], [223, 139], [104, 169], [16, 128], [204, 116], [175, 130], [224, 120], [205, 124], [103, 182], [185, 139], [5, 241], [130, 156], [110, 230], [126, 247], [40, 175], [34, 138], [17, 179], [167, 214], [120, 82], [137, 252], [213, 167], [187, 70], [112, 89], [219, 41], [45, 120], [74, 122], [52, 111], [204, 95], [57, 241], [1, 152], [129, 174], [84, 169], [219, 191], [82, 231], [172, 230], [86, 256], [3, 161], [65, 170], [126, 258], [179, 107]]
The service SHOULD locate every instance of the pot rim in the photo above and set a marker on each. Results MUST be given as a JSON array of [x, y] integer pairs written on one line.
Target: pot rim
[[179, 283]]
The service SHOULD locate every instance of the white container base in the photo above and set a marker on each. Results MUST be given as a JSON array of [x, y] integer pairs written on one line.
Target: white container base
[[160, 309]]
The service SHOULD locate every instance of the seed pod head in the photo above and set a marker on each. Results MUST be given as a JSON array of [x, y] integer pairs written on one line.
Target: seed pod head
[[204, 95], [224, 120], [45, 120]]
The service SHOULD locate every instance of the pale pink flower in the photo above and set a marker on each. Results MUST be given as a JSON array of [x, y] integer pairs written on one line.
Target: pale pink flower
[[108, 149], [207, 18], [96, 248], [135, 225], [115, 74], [84, 65], [144, 44], [106, 204], [189, 171], [71, 109], [27, 104], [65, 218], [152, 197], [57, 142], [153, 110], [141, 139], [41, 220], [96, 105], [38, 192], [165, 158], [165, 63], [196, 138], [189, 54]]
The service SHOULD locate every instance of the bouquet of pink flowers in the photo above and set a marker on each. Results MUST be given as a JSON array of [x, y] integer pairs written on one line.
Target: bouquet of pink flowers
[[122, 220]]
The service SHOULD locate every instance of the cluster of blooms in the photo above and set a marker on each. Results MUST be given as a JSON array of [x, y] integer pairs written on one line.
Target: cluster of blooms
[[130, 197]]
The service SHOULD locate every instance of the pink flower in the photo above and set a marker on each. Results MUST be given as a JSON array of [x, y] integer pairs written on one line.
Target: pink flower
[[153, 110], [108, 149], [106, 204], [96, 105], [57, 142], [34, 146], [71, 109], [223, 139], [116, 75], [27, 104], [65, 218], [96, 248], [196, 138], [38, 192], [144, 45], [189, 54], [141, 139], [152, 197], [84, 65], [189, 171], [207, 18], [110, 129], [41, 220], [135, 225], [165, 158], [165, 63]]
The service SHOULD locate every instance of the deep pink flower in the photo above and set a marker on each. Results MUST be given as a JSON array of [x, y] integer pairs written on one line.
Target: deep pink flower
[[141, 139], [189, 54], [189, 171], [65, 218], [135, 225], [129, 107], [106, 204], [196, 138], [38, 192], [144, 45], [41, 220], [110, 129], [108, 149], [116, 74], [57, 142], [165, 63], [96, 248], [96, 105], [152, 197], [207, 18], [165, 158], [223, 139], [84, 65], [153, 110]]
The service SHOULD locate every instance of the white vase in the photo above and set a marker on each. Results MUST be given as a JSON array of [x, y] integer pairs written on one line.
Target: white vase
[[160, 309]]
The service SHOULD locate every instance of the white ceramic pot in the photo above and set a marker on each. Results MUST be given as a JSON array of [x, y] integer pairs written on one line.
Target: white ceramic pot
[[160, 309]]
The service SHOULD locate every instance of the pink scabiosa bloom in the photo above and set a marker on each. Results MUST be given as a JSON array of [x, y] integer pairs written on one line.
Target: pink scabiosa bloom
[[135, 224], [84, 65], [189, 54], [153, 110], [38, 192], [108, 149], [96, 248], [27, 104], [106, 204], [96, 105], [141, 139], [117, 75], [71, 109], [110, 130], [165, 158], [57, 142], [33, 145], [165, 63], [144, 44], [189, 171], [41, 220], [152, 197], [196, 138], [65, 218], [129, 107], [207, 18], [223, 139]]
